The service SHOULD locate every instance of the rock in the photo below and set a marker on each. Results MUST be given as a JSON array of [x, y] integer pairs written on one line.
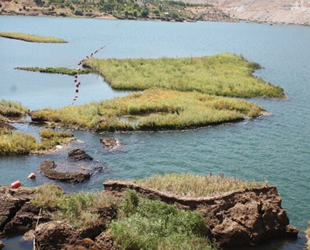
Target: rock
[[52, 235], [78, 155], [111, 143], [1, 245], [28, 236], [84, 244], [105, 241], [60, 235], [47, 168], [234, 219], [25, 219], [12, 201]]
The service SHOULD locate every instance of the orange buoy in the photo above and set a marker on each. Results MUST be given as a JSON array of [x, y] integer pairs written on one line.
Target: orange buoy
[[32, 176], [16, 184]]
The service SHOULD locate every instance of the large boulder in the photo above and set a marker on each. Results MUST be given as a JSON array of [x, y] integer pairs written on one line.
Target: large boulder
[[111, 144], [16, 216], [238, 218], [48, 169]]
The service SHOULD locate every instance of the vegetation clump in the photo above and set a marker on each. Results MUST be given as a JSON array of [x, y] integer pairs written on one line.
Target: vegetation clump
[[61, 70], [11, 109], [155, 225], [186, 184], [154, 109], [31, 38], [15, 143], [78, 209], [221, 75]]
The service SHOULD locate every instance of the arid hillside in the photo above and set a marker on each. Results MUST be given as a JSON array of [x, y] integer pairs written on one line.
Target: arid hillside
[[277, 11]]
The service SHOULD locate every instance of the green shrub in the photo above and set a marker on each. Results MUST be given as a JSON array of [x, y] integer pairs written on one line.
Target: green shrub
[[155, 225]]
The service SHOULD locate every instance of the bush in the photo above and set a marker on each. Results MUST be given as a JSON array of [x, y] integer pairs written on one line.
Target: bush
[[156, 225], [78, 12]]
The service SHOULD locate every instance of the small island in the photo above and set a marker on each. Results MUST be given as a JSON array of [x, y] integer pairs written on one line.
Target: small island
[[31, 38], [154, 109], [163, 219], [13, 142], [222, 75], [60, 70]]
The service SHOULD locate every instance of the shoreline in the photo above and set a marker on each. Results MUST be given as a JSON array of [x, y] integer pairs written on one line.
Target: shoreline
[[111, 17]]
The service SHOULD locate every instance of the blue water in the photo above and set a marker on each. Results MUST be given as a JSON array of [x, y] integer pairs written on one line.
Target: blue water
[[274, 148]]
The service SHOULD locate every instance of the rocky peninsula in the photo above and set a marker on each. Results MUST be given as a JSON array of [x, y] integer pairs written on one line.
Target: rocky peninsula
[[247, 216]]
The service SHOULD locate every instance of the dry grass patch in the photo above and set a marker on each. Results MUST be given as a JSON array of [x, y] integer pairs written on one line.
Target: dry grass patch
[[221, 75], [16, 143], [11, 109], [31, 38], [154, 109], [195, 185]]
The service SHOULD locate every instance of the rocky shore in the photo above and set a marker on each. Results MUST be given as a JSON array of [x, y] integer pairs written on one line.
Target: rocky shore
[[233, 219]]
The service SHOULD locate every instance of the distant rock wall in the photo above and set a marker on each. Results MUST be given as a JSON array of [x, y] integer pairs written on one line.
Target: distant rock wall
[[234, 219]]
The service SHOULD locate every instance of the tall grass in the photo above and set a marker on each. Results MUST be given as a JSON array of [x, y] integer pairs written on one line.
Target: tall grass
[[155, 225], [155, 109], [78, 209], [11, 108], [31, 38], [186, 184], [15, 143], [221, 75], [61, 70], [12, 143]]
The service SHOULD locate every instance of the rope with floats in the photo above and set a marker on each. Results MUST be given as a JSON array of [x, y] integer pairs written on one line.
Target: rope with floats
[[76, 76]]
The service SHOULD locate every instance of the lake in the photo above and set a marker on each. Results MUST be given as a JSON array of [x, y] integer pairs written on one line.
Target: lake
[[274, 148]]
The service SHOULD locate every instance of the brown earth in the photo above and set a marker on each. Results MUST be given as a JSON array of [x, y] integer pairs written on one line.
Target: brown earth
[[278, 12], [238, 218]]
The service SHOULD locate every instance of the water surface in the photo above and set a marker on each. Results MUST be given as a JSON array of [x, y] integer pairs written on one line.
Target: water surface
[[274, 148]]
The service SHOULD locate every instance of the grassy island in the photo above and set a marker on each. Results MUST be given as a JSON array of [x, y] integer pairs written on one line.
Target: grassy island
[[31, 38], [153, 109], [16, 143], [61, 70], [221, 75], [195, 185], [11, 109]]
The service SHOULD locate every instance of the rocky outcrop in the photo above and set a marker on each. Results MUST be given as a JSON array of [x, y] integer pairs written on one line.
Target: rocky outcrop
[[48, 169], [111, 143], [79, 155], [238, 218], [57, 235], [17, 215]]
